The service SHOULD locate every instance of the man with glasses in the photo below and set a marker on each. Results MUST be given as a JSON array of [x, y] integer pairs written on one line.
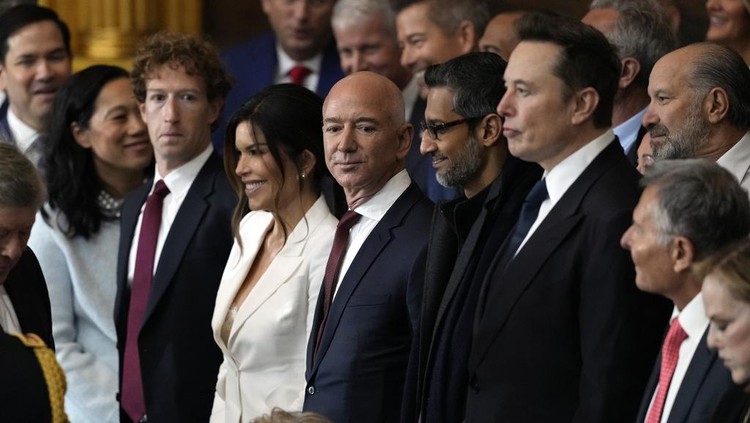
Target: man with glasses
[[462, 134]]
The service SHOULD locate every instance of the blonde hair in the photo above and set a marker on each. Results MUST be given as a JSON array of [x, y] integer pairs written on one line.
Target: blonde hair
[[732, 265]]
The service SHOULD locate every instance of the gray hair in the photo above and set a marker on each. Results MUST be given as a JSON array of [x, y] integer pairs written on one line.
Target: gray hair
[[699, 200], [448, 14], [351, 12], [20, 184], [720, 66], [642, 31]]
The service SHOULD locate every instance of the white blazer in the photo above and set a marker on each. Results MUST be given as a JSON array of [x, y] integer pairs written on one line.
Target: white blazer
[[264, 358]]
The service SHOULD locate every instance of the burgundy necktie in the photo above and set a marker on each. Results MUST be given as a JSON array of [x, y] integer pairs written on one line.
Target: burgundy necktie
[[131, 395], [670, 352], [298, 74], [340, 243]]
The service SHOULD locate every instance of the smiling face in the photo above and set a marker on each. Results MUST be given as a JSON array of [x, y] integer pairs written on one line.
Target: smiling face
[[178, 115], [365, 137], [32, 71], [116, 134], [728, 22], [302, 27], [729, 332], [15, 229], [536, 111], [500, 37], [456, 155]]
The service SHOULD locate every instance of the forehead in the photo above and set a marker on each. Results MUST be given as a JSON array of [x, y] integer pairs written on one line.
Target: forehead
[[671, 70], [173, 76], [30, 36], [643, 213], [439, 100], [532, 60], [414, 19], [365, 28], [12, 217]]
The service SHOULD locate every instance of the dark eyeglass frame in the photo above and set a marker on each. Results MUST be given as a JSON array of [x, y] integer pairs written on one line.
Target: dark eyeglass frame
[[435, 129]]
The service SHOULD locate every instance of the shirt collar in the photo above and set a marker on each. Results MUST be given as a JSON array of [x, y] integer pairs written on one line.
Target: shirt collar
[[23, 134], [693, 317], [376, 207], [286, 63], [179, 180], [627, 132]]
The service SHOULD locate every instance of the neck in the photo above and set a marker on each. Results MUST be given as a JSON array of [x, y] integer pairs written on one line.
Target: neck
[[628, 105], [120, 183], [491, 167], [579, 137], [289, 215], [721, 140]]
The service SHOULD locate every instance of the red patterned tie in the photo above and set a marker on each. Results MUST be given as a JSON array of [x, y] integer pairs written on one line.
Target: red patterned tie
[[340, 243], [131, 395], [298, 74], [670, 352]]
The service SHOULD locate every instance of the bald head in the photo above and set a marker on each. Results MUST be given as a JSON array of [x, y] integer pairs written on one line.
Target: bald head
[[365, 134]]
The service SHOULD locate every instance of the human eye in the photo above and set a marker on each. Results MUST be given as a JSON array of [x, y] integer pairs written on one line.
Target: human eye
[[58, 56], [188, 97], [416, 41], [719, 324], [157, 97], [26, 61], [366, 128], [331, 128]]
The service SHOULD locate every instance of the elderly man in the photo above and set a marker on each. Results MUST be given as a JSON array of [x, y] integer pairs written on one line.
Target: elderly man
[[173, 249], [700, 107], [434, 31], [24, 301], [34, 62], [365, 33], [642, 34], [463, 136], [369, 304], [500, 35], [299, 49], [674, 226], [559, 318]]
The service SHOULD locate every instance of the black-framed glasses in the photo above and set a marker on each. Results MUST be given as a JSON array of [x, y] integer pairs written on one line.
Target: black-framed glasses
[[435, 129]]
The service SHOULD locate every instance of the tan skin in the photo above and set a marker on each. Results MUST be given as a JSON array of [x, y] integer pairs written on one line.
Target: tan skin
[[296, 194]]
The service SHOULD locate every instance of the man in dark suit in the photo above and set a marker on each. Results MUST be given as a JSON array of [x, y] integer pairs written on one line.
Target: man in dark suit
[[675, 226], [171, 260], [300, 36], [24, 301], [35, 61], [641, 31], [463, 138], [561, 333], [360, 341]]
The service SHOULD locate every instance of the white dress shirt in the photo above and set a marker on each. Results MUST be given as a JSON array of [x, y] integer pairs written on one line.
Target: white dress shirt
[[178, 181], [737, 161], [25, 137], [286, 64], [694, 322], [8, 318]]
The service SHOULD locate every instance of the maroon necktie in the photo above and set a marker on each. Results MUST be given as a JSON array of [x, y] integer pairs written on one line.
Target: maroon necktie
[[131, 395], [670, 352], [340, 242], [298, 74]]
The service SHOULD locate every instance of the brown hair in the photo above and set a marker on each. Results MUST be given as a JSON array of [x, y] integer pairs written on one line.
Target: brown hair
[[732, 265]]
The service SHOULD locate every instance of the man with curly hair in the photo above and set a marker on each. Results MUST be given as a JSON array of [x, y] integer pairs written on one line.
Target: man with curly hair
[[173, 248]]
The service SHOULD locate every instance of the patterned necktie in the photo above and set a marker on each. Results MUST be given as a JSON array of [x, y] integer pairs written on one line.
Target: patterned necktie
[[340, 244], [298, 74], [131, 395], [670, 352]]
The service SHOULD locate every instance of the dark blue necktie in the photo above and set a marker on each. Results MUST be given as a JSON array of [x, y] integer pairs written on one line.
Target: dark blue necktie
[[529, 213]]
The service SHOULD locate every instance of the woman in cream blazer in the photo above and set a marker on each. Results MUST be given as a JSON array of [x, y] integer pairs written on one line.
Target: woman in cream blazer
[[266, 300]]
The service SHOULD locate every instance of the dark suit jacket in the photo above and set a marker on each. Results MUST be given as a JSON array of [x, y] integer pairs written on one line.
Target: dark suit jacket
[[23, 392], [358, 372], [706, 382], [565, 334], [253, 67], [734, 407], [449, 256], [6, 135], [632, 152], [28, 293], [179, 359]]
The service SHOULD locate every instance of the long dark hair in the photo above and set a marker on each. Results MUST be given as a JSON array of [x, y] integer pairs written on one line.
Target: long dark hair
[[290, 118], [72, 181]]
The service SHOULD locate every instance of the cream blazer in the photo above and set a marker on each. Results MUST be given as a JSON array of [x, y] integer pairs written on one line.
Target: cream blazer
[[264, 358]]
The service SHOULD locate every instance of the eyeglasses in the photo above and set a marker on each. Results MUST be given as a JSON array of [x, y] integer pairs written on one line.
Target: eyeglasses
[[435, 129]]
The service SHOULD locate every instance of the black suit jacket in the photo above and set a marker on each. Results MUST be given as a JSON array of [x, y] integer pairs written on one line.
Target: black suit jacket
[[565, 336], [179, 359], [28, 294], [706, 382], [359, 370], [23, 391], [449, 257], [632, 153]]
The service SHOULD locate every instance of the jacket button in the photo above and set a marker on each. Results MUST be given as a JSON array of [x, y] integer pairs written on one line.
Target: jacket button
[[311, 390]]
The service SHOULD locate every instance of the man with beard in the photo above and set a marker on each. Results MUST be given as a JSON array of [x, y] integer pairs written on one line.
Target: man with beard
[[700, 107], [462, 134]]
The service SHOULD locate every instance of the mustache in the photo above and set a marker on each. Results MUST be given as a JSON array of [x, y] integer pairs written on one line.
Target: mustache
[[657, 130]]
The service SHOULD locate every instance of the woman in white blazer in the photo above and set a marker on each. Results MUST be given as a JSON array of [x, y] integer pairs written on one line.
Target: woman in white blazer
[[266, 300]]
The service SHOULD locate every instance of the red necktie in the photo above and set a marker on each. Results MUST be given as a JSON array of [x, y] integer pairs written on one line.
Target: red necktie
[[298, 74], [131, 396], [340, 243], [670, 352]]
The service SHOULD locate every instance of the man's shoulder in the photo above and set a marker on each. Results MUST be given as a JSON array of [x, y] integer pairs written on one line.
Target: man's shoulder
[[251, 51]]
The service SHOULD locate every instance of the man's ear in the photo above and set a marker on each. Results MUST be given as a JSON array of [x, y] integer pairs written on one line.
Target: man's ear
[[404, 135], [467, 36], [490, 130], [716, 105], [586, 101], [630, 69], [683, 253]]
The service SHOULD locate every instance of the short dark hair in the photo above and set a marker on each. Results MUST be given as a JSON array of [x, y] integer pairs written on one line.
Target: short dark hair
[[447, 14], [20, 184], [476, 80], [587, 59], [22, 15], [700, 200], [195, 54]]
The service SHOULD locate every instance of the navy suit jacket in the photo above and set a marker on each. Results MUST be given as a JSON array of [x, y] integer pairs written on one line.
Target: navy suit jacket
[[565, 335], [706, 382], [253, 67], [179, 359], [6, 135], [24, 396], [27, 290], [359, 370]]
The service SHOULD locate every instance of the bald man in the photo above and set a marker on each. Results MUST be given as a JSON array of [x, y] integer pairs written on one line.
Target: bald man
[[359, 347]]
